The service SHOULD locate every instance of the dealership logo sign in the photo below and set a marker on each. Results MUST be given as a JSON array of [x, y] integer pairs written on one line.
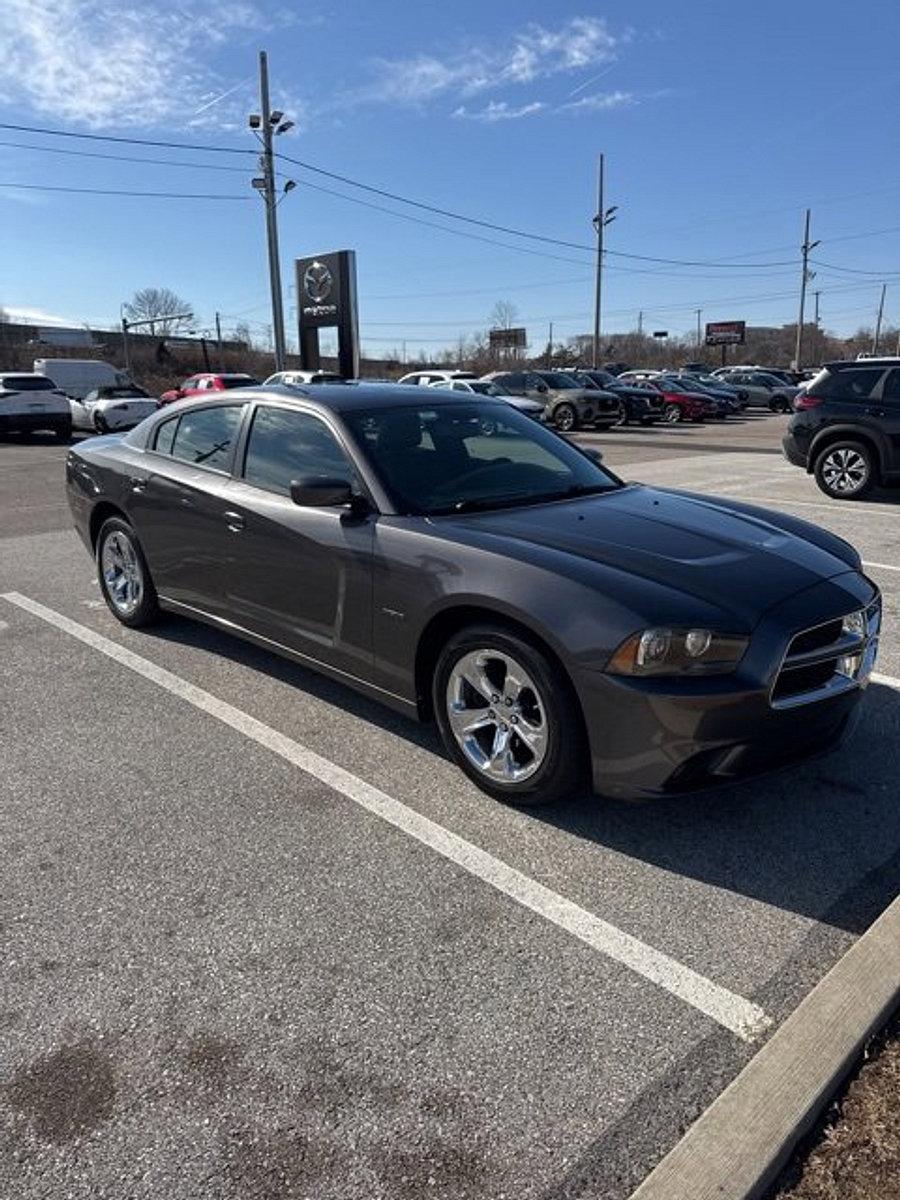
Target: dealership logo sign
[[318, 282]]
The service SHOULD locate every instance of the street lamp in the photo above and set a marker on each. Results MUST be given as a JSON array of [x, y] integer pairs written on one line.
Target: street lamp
[[604, 216]]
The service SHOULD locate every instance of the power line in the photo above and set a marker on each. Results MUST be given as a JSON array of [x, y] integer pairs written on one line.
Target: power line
[[108, 137], [444, 212], [46, 187], [130, 158]]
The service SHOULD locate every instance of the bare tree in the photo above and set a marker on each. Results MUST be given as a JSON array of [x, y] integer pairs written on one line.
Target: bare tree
[[504, 314], [162, 308]]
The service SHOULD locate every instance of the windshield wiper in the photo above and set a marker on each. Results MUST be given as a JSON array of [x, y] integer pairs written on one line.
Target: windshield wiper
[[486, 503]]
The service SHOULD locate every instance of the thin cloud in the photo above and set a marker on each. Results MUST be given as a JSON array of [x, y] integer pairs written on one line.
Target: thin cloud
[[598, 102], [224, 96], [590, 82], [530, 54], [499, 111], [99, 63]]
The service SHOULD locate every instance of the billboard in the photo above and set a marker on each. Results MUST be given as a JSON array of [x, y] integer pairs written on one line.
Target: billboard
[[725, 333], [508, 339]]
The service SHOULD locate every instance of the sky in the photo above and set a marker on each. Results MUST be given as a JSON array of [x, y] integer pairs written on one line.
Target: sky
[[719, 125]]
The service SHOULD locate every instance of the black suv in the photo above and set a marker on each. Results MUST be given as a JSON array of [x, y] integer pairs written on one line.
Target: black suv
[[846, 427]]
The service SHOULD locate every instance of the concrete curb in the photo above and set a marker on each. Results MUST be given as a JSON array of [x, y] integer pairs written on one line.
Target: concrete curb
[[735, 1150]]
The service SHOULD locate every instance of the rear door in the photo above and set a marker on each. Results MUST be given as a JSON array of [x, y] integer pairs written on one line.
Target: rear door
[[301, 577]]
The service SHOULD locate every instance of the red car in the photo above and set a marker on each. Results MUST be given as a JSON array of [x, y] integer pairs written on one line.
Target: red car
[[201, 385], [679, 404]]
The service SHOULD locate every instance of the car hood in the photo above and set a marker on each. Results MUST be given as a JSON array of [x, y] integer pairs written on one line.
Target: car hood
[[739, 558]]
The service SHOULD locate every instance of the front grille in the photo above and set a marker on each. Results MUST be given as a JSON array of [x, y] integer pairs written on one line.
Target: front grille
[[826, 660]]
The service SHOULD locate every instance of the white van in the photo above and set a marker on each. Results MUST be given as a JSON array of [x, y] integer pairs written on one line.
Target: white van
[[78, 376]]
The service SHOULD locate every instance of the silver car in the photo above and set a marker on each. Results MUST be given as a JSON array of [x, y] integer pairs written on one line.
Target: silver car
[[105, 409], [300, 378], [763, 390]]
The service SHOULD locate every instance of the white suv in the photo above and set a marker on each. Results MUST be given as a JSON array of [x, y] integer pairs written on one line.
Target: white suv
[[30, 402], [435, 375]]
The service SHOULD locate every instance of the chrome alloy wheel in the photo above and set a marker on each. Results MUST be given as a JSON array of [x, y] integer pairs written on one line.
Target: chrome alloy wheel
[[845, 471], [123, 576], [497, 716]]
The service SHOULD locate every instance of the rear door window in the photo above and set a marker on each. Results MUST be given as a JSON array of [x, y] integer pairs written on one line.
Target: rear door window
[[206, 437]]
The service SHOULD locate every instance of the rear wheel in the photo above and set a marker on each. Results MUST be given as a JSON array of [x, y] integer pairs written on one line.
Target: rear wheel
[[846, 470], [565, 418], [508, 717], [672, 413], [780, 404], [124, 576]]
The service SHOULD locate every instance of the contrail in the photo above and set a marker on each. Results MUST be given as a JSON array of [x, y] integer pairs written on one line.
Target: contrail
[[216, 99], [587, 83]]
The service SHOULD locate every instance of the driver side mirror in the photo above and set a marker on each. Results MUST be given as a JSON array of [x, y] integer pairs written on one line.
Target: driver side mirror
[[319, 491]]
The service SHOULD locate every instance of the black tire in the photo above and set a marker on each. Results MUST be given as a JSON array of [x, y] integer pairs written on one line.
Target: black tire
[[672, 414], [622, 418], [780, 404], [565, 418], [846, 470], [146, 610], [563, 770]]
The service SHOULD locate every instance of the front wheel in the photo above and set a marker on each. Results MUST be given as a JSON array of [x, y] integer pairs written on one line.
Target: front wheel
[[672, 413], [508, 717], [565, 418], [846, 470], [124, 576]]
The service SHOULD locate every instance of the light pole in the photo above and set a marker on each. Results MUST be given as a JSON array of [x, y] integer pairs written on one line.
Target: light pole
[[876, 340], [604, 217], [266, 124], [804, 280]]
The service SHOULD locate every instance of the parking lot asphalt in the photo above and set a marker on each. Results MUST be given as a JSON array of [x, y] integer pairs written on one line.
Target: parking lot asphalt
[[261, 939]]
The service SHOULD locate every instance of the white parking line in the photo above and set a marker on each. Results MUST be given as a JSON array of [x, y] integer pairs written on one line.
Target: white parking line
[[735, 1013], [881, 566]]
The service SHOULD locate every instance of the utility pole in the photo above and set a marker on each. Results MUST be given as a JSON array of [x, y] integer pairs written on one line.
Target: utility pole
[[550, 348], [601, 220], [269, 123], [804, 279], [219, 341], [876, 341], [699, 312], [641, 323]]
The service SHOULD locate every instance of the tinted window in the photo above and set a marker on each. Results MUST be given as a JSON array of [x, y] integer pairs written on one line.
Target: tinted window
[[206, 436], [28, 383], [234, 381], [285, 444], [439, 459], [165, 435], [891, 389], [854, 384]]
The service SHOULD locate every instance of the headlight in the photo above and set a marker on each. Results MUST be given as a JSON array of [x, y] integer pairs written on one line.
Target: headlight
[[678, 652]]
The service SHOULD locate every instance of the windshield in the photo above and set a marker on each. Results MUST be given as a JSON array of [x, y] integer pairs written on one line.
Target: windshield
[[556, 379], [444, 458]]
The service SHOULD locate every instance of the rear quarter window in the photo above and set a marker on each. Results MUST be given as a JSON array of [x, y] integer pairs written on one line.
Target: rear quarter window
[[852, 385]]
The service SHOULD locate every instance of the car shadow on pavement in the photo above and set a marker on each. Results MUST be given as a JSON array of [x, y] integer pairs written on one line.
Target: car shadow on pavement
[[821, 838]]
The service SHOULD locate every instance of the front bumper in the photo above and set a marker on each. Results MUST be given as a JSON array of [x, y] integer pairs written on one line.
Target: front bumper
[[655, 737]]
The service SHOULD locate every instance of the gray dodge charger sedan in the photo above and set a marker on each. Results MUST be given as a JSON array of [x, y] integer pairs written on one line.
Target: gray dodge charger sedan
[[562, 627]]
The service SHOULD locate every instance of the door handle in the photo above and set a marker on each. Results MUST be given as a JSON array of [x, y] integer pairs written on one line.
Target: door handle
[[235, 521]]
